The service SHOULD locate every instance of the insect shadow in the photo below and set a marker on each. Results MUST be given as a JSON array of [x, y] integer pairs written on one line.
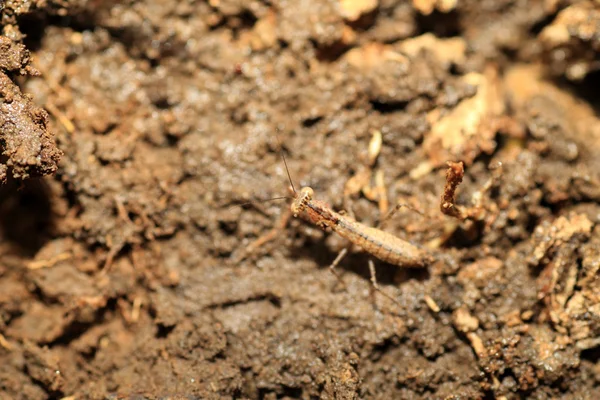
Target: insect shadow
[[357, 263]]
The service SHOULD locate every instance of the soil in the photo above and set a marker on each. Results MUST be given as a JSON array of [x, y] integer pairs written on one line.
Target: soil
[[140, 139]]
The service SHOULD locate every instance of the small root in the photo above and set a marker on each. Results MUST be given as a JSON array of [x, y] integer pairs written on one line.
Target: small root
[[50, 262]]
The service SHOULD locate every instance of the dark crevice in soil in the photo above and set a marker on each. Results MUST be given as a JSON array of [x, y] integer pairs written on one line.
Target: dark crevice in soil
[[537, 28], [592, 355], [382, 348], [38, 294], [587, 89], [242, 22], [52, 394], [271, 298], [388, 107], [162, 331], [71, 196], [332, 53], [440, 24], [310, 122], [77, 328], [462, 239], [34, 26], [285, 393], [26, 217]]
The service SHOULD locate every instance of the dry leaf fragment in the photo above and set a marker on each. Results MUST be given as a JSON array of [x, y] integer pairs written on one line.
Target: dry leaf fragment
[[469, 128]]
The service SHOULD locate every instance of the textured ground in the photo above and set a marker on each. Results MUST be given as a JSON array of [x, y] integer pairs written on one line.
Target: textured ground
[[128, 271]]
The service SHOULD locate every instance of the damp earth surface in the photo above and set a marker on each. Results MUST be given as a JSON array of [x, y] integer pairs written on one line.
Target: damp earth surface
[[139, 140]]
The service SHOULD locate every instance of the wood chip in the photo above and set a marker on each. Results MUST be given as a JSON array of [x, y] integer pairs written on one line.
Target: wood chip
[[477, 344], [432, 304], [464, 321]]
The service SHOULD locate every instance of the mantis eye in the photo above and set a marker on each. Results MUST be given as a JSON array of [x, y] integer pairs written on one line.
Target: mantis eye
[[307, 193]]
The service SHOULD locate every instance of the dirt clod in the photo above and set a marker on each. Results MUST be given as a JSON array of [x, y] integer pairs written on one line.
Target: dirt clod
[[149, 258], [27, 144]]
